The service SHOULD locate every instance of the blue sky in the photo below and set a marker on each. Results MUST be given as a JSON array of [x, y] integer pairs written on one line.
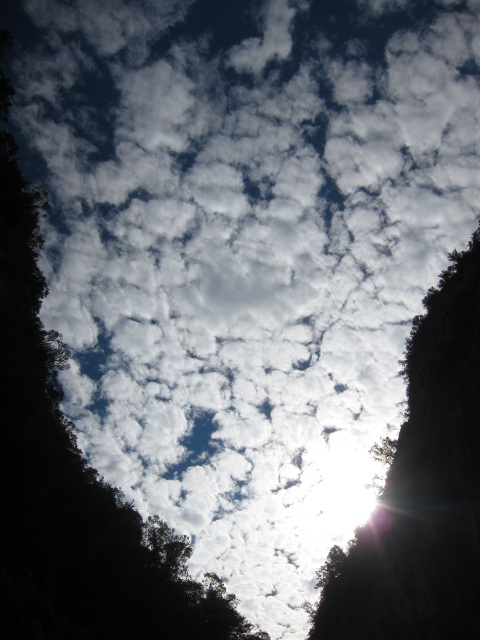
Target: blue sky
[[250, 200]]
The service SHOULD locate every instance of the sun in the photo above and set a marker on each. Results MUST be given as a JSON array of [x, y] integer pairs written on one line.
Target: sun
[[348, 499], [348, 505]]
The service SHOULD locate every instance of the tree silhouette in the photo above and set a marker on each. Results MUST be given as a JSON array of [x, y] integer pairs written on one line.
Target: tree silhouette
[[170, 552], [331, 568]]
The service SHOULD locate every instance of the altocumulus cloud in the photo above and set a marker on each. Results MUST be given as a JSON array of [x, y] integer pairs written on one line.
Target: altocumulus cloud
[[244, 223]]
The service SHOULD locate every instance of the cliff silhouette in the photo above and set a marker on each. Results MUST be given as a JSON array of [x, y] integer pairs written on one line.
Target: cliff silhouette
[[77, 562], [413, 571]]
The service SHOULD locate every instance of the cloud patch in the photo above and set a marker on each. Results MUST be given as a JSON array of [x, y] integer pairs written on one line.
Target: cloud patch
[[238, 244]]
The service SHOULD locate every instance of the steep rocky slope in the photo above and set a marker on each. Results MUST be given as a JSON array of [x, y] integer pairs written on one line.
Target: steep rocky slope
[[414, 570]]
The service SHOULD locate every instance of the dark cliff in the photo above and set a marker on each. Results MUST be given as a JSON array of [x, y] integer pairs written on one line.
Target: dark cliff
[[76, 562], [413, 571]]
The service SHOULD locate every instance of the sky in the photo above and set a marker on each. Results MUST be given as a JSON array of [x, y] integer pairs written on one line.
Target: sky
[[249, 202]]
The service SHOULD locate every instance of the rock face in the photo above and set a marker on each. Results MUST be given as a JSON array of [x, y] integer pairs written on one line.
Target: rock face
[[413, 572]]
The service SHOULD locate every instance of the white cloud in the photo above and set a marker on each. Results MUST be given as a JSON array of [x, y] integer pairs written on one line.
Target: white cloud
[[137, 340], [49, 78], [352, 81], [156, 103], [448, 3], [379, 7], [112, 26], [275, 43], [204, 266], [112, 181], [363, 150], [218, 188], [79, 390]]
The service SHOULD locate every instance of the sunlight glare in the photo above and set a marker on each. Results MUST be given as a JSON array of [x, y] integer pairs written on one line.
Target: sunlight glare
[[348, 498]]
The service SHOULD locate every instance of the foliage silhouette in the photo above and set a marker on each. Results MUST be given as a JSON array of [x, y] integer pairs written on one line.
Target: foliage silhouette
[[331, 568], [384, 454], [385, 451]]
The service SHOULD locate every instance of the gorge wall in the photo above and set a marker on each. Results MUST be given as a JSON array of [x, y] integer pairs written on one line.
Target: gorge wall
[[413, 571]]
